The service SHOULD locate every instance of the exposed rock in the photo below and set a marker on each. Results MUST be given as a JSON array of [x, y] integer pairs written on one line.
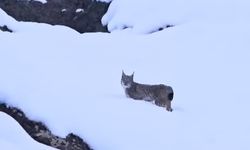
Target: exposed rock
[[5, 29], [39, 132], [81, 15], [162, 28], [167, 26]]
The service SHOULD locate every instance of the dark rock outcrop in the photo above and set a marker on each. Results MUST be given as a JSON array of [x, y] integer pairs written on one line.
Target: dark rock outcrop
[[39, 132], [81, 15], [5, 29]]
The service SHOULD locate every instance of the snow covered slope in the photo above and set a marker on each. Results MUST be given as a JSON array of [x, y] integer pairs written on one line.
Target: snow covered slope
[[72, 82], [145, 16], [13, 137]]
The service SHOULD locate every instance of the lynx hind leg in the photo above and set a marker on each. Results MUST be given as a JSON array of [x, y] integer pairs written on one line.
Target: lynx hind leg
[[168, 106]]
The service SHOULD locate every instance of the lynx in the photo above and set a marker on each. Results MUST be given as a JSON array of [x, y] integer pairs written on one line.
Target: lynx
[[161, 95]]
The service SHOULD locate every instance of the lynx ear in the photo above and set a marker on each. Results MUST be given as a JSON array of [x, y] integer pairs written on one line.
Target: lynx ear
[[133, 74]]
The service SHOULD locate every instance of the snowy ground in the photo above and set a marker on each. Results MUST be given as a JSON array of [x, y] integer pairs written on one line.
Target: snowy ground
[[13, 137], [72, 81]]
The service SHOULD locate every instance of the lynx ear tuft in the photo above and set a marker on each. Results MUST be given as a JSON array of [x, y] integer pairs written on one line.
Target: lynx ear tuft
[[123, 72], [133, 74]]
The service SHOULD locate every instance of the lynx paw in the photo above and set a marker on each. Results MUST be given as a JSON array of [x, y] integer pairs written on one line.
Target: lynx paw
[[169, 109]]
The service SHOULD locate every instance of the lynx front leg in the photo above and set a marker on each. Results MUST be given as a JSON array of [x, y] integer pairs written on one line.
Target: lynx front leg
[[168, 106], [160, 103], [157, 103]]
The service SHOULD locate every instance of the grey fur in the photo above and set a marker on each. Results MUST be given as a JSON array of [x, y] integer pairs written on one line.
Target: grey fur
[[161, 95]]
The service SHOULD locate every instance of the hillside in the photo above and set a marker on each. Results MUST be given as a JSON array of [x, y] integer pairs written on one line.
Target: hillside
[[71, 81]]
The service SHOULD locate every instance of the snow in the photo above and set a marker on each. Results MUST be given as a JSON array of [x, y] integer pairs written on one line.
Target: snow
[[107, 1], [42, 1], [146, 15], [71, 81], [30, 27], [79, 10], [13, 137], [64, 10]]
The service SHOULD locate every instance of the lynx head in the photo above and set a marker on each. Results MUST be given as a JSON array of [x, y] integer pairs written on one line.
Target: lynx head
[[127, 80]]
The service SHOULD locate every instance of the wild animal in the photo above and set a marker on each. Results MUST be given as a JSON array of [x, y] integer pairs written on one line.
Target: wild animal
[[161, 95]]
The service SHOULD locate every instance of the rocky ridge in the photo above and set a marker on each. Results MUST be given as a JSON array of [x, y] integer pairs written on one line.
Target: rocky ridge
[[39, 131], [81, 15]]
